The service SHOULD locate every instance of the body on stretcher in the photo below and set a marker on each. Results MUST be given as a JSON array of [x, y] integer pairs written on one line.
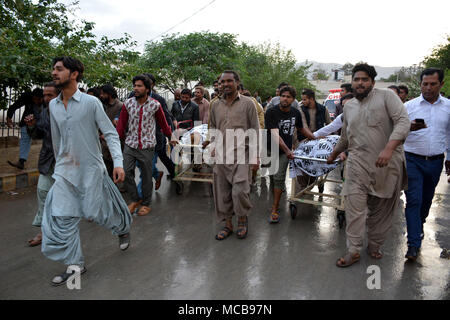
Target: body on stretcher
[[333, 200]]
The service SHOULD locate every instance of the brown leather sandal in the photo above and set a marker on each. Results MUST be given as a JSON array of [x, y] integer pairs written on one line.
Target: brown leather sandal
[[374, 252], [348, 260], [143, 211]]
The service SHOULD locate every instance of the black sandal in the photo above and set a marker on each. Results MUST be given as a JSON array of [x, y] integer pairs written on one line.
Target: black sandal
[[242, 226], [224, 233]]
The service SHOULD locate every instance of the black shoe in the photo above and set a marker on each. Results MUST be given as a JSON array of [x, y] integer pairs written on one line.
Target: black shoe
[[62, 278], [412, 253], [124, 241], [19, 164]]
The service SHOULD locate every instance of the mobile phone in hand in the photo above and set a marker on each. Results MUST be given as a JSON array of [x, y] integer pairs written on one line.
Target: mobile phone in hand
[[420, 121]]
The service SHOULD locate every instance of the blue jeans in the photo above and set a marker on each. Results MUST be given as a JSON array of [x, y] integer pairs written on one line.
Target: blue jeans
[[154, 169], [423, 177], [24, 143]]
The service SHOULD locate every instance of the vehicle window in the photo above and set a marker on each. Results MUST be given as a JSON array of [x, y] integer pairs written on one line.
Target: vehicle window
[[331, 105]]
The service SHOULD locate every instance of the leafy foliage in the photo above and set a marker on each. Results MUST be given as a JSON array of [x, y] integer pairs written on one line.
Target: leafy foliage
[[177, 60], [32, 33], [262, 68]]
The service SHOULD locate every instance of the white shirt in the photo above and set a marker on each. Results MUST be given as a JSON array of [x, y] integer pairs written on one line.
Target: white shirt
[[329, 129], [435, 139]]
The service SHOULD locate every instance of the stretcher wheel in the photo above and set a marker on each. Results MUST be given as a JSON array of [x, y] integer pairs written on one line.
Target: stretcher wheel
[[179, 187], [293, 210], [341, 218]]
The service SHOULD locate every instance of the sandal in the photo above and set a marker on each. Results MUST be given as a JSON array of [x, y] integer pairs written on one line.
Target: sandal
[[374, 252], [274, 217], [37, 240], [348, 260], [242, 230], [124, 241], [224, 233]]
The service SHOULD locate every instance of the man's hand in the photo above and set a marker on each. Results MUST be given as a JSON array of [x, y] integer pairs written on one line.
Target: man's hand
[[115, 122], [290, 155], [384, 158], [332, 157], [9, 122], [30, 120], [417, 126], [255, 167], [118, 175], [343, 156], [173, 143], [205, 144]]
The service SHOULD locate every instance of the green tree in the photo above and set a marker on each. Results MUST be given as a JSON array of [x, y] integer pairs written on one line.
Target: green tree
[[262, 68], [178, 60], [32, 33], [440, 58]]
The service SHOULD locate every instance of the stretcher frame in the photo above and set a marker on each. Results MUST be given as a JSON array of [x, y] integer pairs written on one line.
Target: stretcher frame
[[299, 196], [188, 173]]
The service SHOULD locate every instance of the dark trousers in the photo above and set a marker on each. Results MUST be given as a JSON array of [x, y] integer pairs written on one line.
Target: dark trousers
[[162, 155], [144, 157], [423, 177]]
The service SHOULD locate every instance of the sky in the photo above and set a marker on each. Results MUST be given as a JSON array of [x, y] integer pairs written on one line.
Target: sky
[[388, 33]]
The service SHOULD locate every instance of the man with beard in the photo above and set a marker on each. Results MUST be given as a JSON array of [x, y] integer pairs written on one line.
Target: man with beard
[[39, 128], [140, 114], [282, 121], [82, 187], [232, 180], [375, 126], [112, 105]]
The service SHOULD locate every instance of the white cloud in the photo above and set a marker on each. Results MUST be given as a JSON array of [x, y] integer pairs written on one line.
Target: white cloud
[[385, 32]]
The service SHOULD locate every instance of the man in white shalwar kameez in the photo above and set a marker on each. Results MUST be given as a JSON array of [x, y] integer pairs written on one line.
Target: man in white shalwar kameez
[[82, 187]]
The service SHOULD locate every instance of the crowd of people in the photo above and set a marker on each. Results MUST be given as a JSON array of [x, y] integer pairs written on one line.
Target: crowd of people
[[93, 143]]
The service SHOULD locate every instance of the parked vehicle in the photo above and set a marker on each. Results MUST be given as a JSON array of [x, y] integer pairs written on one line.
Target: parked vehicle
[[332, 100]]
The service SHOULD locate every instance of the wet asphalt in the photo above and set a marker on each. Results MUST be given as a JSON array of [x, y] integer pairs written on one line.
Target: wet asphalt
[[174, 254]]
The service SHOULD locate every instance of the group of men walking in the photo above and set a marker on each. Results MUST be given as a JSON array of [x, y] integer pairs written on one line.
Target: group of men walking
[[388, 147]]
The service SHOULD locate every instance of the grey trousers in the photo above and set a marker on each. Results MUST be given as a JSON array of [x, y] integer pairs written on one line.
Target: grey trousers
[[145, 159]]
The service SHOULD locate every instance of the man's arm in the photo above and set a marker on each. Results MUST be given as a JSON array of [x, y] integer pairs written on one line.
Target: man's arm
[[123, 121], [54, 129], [162, 122], [342, 144], [399, 115], [329, 129]]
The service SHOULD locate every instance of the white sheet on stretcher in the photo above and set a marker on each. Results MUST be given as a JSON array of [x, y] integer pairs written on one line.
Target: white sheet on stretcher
[[199, 132], [320, 149]]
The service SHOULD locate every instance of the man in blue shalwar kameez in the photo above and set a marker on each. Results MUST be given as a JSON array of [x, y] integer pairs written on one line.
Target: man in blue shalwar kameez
[[82, 187]]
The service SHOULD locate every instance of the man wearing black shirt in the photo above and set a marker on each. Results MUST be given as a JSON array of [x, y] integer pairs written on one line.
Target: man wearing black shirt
[[282, 120]]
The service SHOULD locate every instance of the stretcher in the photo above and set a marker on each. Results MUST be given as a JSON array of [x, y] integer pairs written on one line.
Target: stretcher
[[190, 172], [332, 200]]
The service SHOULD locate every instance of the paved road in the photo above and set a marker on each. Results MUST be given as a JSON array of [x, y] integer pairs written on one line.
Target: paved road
[[174, 255]]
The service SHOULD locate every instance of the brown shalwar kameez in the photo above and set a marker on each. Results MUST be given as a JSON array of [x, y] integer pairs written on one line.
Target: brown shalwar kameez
[[370, 191], [232, 181]]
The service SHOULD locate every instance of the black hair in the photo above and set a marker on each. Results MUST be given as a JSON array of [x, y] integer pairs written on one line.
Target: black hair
[[347, 86], [146, 80], [72, 64], [370, 70], [234, 73], [289, 89], [431, 71], [151, 77], [347, 97], [309, 93], [186, 91], [95, 91], [216, 81], [404, 88], [53, 85], [283, 84], [37, 92], [109, 89], [240, 86], [394, 88]]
